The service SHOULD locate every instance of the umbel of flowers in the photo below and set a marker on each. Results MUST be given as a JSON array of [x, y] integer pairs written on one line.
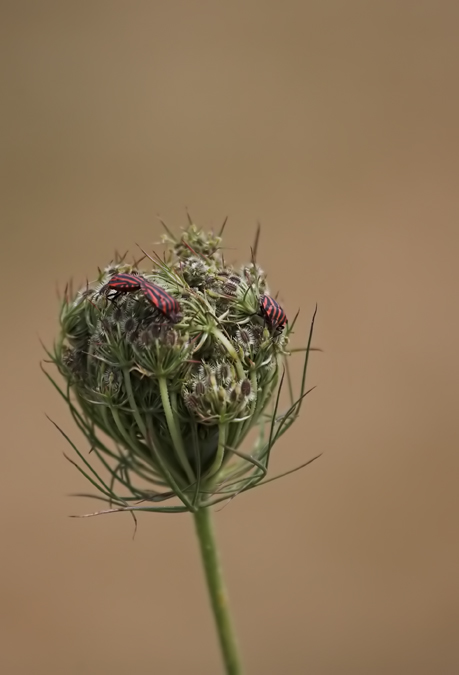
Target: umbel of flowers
[[167, 370]]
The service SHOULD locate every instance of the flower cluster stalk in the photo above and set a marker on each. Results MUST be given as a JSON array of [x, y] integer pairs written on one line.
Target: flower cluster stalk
[[217, 592]]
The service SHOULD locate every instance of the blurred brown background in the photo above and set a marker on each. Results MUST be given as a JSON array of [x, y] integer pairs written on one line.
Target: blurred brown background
[[335, 124]]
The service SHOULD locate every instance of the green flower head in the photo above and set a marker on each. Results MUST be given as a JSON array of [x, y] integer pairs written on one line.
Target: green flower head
[[169, 368]]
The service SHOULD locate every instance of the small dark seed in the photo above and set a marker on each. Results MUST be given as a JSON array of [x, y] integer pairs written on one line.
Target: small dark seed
[[246, 388], [199, 389]]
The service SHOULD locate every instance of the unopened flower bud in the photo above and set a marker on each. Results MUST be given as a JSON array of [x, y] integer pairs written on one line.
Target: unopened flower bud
[[176, 370]]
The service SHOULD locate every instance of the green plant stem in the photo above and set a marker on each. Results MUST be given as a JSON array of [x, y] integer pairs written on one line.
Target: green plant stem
[[217, 591], [216, 464], [173, 429], [231, 351]]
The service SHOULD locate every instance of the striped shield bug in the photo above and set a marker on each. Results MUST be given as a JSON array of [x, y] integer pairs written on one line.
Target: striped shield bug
[[272, 312], [122, 283], [158, 297]]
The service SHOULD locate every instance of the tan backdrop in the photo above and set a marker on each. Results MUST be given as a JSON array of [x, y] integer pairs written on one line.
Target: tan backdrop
[[335, 124]]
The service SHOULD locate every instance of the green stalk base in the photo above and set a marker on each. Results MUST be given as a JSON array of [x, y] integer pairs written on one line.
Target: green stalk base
[[217, 591]]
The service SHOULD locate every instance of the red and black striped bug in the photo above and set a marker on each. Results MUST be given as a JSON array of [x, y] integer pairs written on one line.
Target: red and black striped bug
[[272, 312], [158, 297], [122, 283]]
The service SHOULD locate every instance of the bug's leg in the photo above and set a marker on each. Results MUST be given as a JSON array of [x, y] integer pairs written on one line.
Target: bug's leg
[[113, 298]]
